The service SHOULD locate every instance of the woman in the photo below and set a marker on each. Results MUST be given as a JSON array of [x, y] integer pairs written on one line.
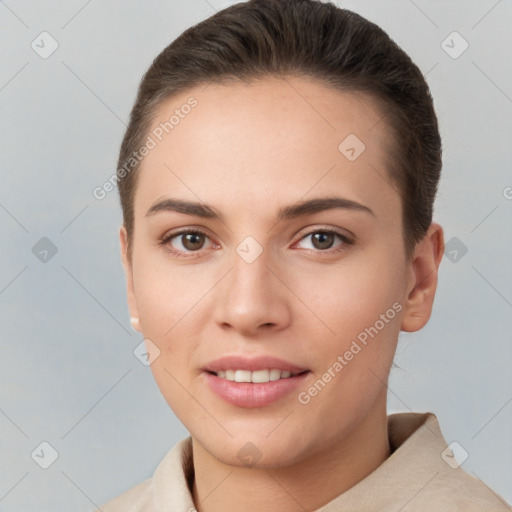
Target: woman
[[277, 180]]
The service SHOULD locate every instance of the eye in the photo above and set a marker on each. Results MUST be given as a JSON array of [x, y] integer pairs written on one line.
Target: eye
[[186, 242], [183, 242], [324, 239]]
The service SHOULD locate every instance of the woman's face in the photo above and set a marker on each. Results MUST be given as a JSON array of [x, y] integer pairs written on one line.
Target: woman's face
[[261, 281]]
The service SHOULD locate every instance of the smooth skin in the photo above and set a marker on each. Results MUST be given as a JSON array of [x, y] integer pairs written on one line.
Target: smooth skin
[[248, 150]]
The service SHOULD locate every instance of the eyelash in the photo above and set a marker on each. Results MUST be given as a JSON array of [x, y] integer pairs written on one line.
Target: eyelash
[[347, 241]]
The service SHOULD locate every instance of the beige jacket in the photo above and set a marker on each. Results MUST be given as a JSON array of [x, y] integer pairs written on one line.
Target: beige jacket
[[421, 475]]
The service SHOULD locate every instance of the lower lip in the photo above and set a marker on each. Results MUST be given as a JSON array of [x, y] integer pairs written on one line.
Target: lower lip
[[247, 394]]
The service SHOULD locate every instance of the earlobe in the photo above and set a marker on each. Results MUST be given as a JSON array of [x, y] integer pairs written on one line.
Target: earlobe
[[424, 270], [128, 270], [135, 321]]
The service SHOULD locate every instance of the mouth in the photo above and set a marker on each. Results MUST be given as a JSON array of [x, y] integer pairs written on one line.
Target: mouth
[[257, 376], [253, 382]]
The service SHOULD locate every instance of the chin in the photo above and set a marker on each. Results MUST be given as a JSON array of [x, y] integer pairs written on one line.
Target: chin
[[255, 449]]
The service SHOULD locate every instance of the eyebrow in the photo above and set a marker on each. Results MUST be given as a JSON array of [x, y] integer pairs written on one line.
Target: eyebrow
[[299, 209]]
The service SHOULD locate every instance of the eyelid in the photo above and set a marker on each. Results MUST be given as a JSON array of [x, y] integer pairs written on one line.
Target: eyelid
[[167, 237], [342, 233], [347, 239], [183, 231]]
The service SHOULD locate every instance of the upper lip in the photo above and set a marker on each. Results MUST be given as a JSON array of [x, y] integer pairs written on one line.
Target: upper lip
[[236, 362]]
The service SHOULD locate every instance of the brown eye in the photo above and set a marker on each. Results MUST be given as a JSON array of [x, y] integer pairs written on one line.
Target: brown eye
[[185, 242], [323, 239], [326, 240], [192, 241]]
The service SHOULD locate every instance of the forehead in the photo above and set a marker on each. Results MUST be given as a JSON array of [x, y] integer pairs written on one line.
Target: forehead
[[250, 145]]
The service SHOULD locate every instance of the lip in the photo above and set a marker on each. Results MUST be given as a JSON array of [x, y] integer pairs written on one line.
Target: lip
[[250, 395], [252, 364]]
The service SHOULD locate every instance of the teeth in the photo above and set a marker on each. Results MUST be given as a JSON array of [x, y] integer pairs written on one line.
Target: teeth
[[242, 376], [275, 374], [258, 376]]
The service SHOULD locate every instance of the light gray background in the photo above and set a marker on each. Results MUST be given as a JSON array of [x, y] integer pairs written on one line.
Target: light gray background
[[68, 374]]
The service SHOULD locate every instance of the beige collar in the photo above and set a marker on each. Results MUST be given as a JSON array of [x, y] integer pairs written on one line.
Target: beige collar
[[415, 477]]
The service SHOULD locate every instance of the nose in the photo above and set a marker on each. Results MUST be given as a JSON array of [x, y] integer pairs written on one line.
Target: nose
[[252, 298]]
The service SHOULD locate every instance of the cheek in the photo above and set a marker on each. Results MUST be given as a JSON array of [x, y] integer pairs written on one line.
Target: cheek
[[167, 296], [362, 308], [167, 301], [357, 315], [354, 294]]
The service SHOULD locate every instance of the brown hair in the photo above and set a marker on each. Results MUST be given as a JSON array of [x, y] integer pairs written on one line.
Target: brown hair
[[305, 38]]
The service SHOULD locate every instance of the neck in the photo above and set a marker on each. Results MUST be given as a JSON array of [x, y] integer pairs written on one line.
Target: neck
[[221, 487]]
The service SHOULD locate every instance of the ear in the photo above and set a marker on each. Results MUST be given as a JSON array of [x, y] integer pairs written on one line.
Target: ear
[[423, 279], [128, 270]]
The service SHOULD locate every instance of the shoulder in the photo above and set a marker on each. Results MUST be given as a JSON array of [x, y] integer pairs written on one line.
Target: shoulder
[[457, 492], [169, 483], [132, 500], [425, 463]]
